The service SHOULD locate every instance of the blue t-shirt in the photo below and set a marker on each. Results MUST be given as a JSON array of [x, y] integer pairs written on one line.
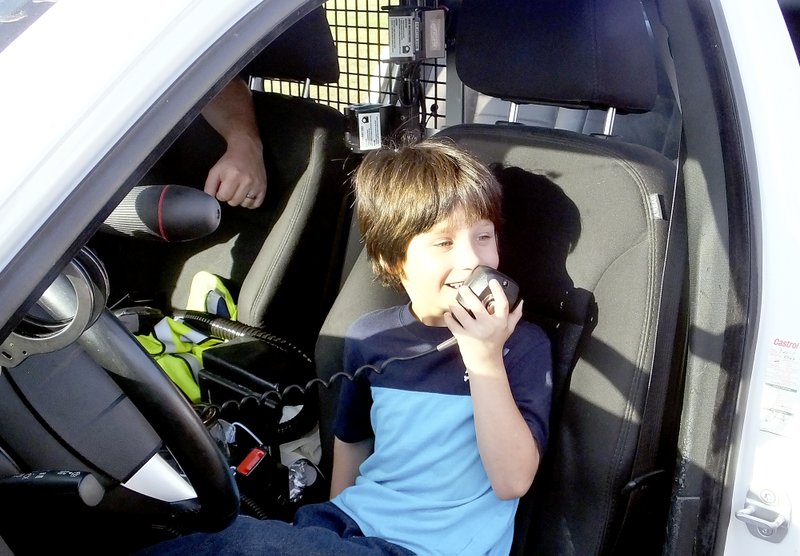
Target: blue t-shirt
[[424, 486]]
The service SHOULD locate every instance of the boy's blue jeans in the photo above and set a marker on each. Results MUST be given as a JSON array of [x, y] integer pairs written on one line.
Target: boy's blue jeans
[[319, 529]]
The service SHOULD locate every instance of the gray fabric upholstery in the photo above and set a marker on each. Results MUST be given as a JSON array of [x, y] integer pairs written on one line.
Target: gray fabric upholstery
[[625, 224], [619, 199], [295, 275]]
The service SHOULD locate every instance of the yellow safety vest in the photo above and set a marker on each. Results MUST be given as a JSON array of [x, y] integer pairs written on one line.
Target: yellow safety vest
[[177, 347]]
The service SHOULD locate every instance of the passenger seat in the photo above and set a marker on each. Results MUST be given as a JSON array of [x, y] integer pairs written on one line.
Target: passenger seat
[[283, 260], [595, 234]]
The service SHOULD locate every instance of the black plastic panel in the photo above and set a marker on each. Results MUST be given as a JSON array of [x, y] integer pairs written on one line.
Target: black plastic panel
[[85, 409]]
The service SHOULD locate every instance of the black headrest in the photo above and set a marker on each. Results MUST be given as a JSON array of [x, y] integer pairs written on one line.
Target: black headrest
[[595, 53], [304, 50]]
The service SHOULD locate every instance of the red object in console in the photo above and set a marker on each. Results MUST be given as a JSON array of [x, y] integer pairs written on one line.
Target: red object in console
[[251, 461]]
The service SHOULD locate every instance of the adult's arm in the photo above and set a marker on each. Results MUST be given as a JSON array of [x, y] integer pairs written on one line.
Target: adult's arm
[[239, 176]]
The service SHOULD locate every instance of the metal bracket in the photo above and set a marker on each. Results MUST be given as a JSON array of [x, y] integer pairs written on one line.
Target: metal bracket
[[767, 515]]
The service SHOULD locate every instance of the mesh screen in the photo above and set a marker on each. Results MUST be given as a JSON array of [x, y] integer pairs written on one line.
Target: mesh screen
[[360, 30]]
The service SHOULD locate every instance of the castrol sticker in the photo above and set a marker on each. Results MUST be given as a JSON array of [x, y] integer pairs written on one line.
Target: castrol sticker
[[779, 397]]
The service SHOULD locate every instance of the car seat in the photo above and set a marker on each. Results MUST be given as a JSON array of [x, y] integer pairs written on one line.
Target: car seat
[[281, 260], [595, 234]]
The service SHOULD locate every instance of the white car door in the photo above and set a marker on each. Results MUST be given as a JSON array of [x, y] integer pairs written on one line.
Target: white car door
[[764, 478]]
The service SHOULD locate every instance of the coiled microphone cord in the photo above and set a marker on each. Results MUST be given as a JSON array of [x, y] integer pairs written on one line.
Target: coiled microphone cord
[[377, 369], [228, 329]]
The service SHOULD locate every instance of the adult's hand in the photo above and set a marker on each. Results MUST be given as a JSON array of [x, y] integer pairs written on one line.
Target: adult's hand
[[239, 177]]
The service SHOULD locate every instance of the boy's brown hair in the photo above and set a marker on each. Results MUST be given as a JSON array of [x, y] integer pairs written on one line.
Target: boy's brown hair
[[403, 192]]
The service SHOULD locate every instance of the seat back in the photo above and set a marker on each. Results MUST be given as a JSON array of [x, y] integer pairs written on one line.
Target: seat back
[[587, 214], [595, 234], [271, 256], [589, 251]]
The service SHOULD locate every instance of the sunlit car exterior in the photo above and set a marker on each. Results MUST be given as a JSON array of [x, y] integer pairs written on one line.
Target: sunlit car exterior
[[90, 89]]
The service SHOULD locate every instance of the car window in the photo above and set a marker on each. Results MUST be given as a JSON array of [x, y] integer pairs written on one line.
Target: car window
[[18, 15], [791, 14]]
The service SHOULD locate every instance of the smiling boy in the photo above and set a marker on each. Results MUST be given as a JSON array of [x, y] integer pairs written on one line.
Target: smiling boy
[[433, 452]]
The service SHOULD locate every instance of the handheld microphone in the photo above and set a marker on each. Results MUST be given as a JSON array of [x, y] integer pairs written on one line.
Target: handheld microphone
[[478, 282]]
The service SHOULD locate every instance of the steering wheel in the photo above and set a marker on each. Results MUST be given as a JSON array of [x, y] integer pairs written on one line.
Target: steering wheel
[[170, 415], [80, 292]]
